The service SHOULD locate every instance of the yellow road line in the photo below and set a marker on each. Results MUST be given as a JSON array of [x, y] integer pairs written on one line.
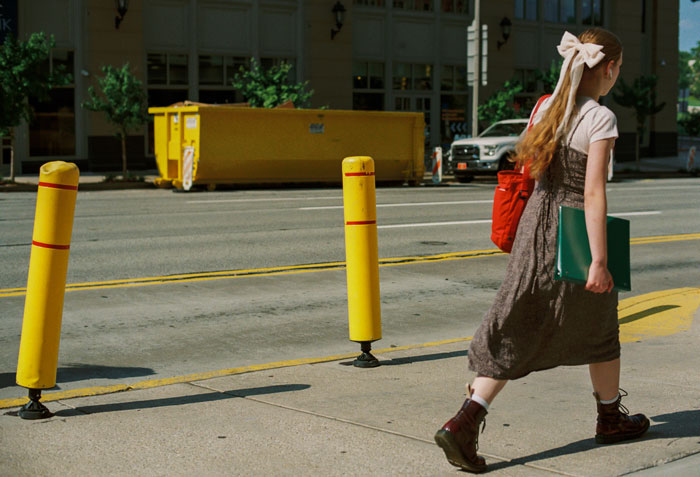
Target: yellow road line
[[193, 277], [660, 313], [257, 272], [664, 238], [189, 378]]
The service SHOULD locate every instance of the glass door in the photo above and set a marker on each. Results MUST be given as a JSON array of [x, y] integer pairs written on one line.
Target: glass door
[[417, 104]]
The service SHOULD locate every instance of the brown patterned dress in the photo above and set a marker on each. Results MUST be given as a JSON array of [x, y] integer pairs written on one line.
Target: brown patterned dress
[[537, 323]]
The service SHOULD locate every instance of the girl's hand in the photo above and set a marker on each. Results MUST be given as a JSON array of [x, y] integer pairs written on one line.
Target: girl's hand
[[599, 279]]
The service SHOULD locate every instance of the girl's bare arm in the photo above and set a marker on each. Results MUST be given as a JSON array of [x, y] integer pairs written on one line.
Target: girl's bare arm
[[596, 209]]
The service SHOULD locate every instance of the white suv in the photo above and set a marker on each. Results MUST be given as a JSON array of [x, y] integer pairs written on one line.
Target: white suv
[[487, 153]]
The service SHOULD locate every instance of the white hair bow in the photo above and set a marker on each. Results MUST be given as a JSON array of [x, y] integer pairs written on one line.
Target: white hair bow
[[588, 54]]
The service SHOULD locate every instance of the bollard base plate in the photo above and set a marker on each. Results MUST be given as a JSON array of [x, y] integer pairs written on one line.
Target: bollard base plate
[[366, 360], [34, 410]]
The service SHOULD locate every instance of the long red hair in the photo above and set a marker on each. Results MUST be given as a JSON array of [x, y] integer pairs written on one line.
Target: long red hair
[[540, 143]]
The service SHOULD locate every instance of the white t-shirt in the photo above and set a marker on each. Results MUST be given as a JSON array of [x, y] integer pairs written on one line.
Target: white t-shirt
[[599, 123]]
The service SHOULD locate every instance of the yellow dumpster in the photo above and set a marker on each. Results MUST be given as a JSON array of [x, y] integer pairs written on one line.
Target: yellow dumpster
[[208, 145]]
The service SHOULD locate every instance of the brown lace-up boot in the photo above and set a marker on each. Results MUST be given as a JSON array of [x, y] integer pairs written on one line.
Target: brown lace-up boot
[[459, 437], [615, 424]]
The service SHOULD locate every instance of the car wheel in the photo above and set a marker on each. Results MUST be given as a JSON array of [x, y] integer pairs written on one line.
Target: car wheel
[[464, 179]]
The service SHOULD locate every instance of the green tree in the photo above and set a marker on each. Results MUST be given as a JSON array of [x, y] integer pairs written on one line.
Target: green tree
[[690, 123], [272, 87], [499, 105], [122, 99], [24, 76], [550, 77], [695, 71], [640, 96], [685, 72]]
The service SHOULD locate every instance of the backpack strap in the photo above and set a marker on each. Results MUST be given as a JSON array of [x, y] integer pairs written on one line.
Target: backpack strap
[[526, 168], [534, 111]]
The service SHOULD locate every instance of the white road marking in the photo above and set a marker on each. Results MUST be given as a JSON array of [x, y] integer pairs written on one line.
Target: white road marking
[[435, 224], [647, 212], [221, 201], [625, 189], [488, 221], [407, 204]]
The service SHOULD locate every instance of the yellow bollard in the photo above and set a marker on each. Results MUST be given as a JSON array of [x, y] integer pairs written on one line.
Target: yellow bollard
[[46, 283], [362, 263]]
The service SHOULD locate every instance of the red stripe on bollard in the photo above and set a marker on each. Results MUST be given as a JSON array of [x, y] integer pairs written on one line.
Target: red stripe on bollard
[[355, 174], [57, 186], [362, 222], [48, 245]]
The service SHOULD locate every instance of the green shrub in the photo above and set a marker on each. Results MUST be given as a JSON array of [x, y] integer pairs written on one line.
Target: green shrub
[[689, 124]]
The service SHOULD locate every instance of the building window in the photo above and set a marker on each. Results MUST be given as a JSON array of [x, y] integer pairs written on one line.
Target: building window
[[368, 85], [453, 104], [455, 6], [216, 74], [453, 78], [592, 12], [368, 75], [167, 77], [407, 76], [525, 100], [528, 78], [423, 77], [167, 69], [525, 9], [402, 78], [211, 70], [454, 124], [369, 3], [418, 5], [560, 11], [52, 130]]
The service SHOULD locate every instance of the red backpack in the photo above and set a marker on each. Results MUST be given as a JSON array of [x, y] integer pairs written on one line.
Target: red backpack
[[513, 190]]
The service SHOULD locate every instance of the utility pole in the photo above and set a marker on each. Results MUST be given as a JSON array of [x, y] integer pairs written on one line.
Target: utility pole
[[477, 68]]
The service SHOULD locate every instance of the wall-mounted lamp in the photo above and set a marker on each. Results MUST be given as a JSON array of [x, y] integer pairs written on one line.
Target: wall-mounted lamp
[[505, 32], [122, 7], [339, 17]]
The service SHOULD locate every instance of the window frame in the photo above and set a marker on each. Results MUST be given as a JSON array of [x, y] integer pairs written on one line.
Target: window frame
[[559, 12], [368, 89], [168, 82], [69, 86], [526, 11]]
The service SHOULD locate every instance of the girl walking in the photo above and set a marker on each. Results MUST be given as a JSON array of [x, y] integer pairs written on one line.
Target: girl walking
[[537, 323]]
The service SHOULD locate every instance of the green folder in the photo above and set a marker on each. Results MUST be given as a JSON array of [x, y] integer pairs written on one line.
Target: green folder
[[574, 252]]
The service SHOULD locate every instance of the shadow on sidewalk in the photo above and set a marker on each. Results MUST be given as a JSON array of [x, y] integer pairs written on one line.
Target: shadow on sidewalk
[[674, 425], [415, 359], [180, 400], [425, 357], [677, 424], [79, 372]]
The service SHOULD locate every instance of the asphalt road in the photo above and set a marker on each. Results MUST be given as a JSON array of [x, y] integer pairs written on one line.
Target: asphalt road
[[134, 330]]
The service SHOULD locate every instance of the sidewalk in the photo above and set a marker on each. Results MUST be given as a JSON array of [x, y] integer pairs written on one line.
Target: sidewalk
[[661, 167], [331, 419], [87, 181]]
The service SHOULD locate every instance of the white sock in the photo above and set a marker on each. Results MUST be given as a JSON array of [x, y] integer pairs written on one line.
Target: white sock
[[481, 401], [610, 401]]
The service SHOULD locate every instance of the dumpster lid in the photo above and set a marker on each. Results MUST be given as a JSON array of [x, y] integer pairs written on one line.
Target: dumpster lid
[[184, 104]]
